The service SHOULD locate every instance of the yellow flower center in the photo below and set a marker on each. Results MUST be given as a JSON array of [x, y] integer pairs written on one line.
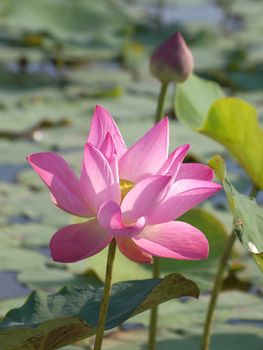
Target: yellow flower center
[[125, 186]]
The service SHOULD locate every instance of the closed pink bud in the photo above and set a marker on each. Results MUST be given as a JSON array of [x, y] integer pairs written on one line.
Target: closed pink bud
[[172, 60]]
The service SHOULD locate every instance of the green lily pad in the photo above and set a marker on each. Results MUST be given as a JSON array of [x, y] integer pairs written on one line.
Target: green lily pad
[[248, 216], [53, 277], [66, 19], [16, 152], [23, 206], [16, 259], [53, 321], [27, 235]]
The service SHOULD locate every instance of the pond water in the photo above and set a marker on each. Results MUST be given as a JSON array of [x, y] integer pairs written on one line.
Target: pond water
[[8, 172], [9, 287]]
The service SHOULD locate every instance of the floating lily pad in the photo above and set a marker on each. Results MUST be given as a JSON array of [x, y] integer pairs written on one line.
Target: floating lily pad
[[15, 259], [52, 277]]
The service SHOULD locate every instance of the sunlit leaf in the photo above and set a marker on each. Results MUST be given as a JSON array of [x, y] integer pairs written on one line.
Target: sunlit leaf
[[194, 98], [234, 123], [230, 121]]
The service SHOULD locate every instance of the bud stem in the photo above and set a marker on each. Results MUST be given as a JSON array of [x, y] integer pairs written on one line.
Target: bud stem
[[154, 310], [160, 105], [106, 296], [156, 260], [206, 338]]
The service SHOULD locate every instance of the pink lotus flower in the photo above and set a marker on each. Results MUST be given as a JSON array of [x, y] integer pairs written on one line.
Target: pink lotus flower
[[172, 60], [132, 195]]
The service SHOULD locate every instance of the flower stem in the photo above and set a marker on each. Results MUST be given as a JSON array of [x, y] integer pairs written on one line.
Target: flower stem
[[206, 338], [106, 296], [160, 104], [154, 310], [156, 260]]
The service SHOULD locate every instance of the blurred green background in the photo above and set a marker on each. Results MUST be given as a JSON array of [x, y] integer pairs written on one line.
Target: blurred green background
[[58, 59]]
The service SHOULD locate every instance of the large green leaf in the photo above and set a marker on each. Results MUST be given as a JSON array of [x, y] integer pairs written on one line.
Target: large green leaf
[[230, 121], [248, 216], [234, 123], [193, 99], [52, 321]]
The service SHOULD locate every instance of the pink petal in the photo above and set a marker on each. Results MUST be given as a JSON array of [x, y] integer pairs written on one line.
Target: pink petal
[[78, 241], [115, 173], [147, 155], [182, 196], [174, 239], [195, 171], [110, 218], [97, 180], [109, 151], [132, 251], [139, 201], [102, 124], [108, 148], [61, 181], [174, 161]]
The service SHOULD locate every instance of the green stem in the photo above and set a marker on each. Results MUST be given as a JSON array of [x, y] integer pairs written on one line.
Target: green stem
[[206, 338], [216, 289], [160, 104], [156, 261], [154, 310], [106, 296]]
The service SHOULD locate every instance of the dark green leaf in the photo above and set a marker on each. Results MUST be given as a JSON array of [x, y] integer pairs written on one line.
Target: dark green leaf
[[52, 321]]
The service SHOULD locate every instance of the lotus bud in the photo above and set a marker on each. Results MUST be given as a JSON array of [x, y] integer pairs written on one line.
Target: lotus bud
[[172, 60]]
